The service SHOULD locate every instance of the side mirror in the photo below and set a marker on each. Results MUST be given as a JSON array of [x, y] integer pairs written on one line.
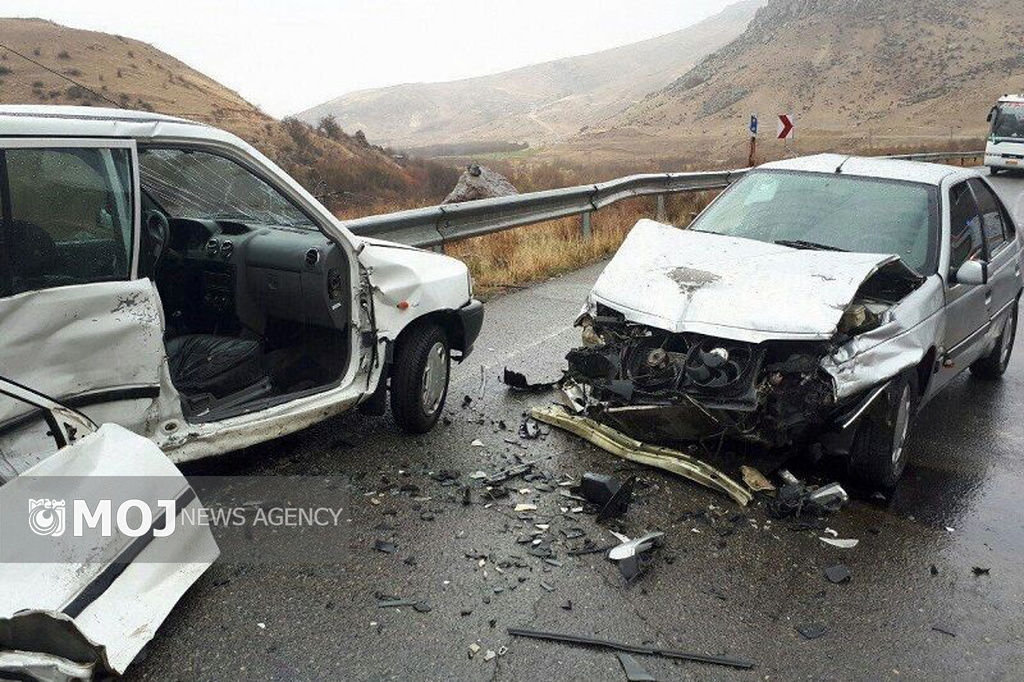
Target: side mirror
[[972, 273], [991, 114]]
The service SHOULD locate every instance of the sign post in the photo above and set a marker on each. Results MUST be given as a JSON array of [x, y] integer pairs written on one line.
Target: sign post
[[753, 141]]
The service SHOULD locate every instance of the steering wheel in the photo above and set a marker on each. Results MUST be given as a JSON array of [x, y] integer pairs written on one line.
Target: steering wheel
[[157, 230]]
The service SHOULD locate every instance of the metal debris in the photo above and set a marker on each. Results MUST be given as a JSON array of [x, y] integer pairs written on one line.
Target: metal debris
[[634, 557], [794, 498], [621, 445], [631, 648]]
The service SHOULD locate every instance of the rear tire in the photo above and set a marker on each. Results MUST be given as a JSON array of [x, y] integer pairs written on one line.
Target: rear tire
[[993, 171], [993, 365], [419, 378], [878, 456]]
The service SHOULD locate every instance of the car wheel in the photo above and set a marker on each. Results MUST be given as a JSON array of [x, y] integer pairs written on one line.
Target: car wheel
[[419, 378], [993, 365], [878, 456], [993, 171]]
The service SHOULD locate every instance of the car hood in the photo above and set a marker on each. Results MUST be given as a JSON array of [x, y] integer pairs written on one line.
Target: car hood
[[730, 287]]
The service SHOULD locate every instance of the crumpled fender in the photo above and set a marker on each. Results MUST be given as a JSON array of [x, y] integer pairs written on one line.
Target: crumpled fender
[[409, 283]]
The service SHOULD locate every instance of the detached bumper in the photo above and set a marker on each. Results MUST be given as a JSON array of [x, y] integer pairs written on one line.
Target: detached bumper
[[471, 320]]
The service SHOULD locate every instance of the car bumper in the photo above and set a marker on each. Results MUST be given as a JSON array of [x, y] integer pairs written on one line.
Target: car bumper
[[471, 318], [1002, 161]]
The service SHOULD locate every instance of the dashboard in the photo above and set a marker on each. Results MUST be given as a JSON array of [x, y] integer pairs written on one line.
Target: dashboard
[[221, 273]]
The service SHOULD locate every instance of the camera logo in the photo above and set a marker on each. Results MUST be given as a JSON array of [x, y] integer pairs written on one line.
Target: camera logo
[[47, 517]]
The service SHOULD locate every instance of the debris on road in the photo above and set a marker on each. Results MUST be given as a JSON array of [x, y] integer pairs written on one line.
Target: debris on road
[[795, 498], [386, 547], [611, 497], [632, 648], [621, 445], [978, 570], [633, 670], [838, 574], [634, 557], [529, 429], [841, 543], [812, 630], [755, 480], [944, 629], [517, 382]]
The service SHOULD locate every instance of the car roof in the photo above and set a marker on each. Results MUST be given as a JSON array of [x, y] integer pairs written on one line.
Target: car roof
[[67, 121], [1017, 99], [874, 167]]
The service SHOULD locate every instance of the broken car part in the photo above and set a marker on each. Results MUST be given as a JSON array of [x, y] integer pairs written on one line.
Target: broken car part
[[634, 557], [621, 445], [755, 480], [796, 499], [631, 648], [611, 497], [633, 670], [518, 382]]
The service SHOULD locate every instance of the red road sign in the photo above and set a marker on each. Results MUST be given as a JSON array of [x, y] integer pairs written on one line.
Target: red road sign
[[785, 126]]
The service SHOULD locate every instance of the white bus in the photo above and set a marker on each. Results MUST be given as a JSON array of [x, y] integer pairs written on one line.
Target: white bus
[[1005, 148]]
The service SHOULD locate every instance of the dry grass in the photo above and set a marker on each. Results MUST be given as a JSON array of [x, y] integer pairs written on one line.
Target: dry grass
[[527, 254]]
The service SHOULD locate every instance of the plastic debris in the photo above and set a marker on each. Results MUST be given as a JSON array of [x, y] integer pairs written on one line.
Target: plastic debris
[[633, 670], [386, 547], [477, 443], [525, 507], [489, 655], [611, 496], [841, 543], [518, 382], [794, 498], [631, 648], [838, 574], [755, 480], [634, 557], [811, 630]]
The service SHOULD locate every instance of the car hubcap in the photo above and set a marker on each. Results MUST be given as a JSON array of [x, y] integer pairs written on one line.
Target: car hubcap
[[435, 378], [902, 426]]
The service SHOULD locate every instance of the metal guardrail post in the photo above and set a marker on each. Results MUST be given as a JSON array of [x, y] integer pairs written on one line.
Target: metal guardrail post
[[585, 226], [661, 215]]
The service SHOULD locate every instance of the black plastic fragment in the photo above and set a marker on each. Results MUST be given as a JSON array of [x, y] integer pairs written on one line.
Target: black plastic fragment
[[811, 630], [611, 496], [634, 671], [838, 574], [631, 648], [518, 382]]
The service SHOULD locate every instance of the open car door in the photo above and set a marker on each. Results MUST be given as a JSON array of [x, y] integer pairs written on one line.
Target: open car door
[[76, 321], [82, 591]]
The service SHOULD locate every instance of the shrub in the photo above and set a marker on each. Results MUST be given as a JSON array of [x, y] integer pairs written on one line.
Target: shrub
[[5, 71], [63, 54]]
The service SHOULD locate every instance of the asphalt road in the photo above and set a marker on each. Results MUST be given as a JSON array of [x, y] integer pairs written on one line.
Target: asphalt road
[[727, 581]]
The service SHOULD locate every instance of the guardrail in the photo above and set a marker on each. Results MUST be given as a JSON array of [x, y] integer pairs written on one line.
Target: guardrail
[[433, 226]]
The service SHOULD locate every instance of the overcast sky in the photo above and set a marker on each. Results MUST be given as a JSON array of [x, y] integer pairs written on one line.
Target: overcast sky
[[287, 55]]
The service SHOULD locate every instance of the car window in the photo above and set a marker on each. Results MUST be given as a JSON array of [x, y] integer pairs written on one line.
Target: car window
[[844, 212], [991, 215], [195, 184], [964, 227], [68, 216]]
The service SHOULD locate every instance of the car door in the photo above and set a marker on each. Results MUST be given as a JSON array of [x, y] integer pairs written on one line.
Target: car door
[[967, 317], [82, 595], [1001, 253], [75, 321]]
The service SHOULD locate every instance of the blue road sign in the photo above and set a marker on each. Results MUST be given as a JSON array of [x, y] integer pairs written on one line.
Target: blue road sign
[[753, 124]]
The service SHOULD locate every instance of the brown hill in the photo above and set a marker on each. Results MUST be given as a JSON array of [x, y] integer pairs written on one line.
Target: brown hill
[[867, 73], [539, 103], [45, 63]]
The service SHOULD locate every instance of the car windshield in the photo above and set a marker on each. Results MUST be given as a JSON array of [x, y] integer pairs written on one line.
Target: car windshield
[[1009, 120], [829, 211], [195, 184]]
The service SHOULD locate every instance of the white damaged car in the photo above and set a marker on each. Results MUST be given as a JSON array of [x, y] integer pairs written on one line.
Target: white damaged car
[[165, 276], [817, 300]]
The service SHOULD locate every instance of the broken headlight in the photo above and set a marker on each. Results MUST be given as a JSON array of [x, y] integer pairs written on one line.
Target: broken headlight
[[861, 316]]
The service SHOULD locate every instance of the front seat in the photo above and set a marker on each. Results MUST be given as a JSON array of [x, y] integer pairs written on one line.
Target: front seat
[[218, 365]]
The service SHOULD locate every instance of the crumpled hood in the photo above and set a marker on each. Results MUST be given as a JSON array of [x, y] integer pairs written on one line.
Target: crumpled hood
[[743, 289]]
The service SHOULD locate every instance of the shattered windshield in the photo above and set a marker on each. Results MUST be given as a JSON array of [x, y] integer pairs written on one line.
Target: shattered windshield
[[198, 185], [830, 211], [1009, 120]]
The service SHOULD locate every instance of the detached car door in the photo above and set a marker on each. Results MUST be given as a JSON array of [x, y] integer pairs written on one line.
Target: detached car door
[[75, 321], [83, 588]]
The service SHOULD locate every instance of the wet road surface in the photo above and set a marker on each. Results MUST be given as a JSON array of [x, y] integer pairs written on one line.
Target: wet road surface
[[728, 580]]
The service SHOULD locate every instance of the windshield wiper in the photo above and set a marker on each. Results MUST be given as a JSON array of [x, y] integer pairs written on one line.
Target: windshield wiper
[[802, 244]]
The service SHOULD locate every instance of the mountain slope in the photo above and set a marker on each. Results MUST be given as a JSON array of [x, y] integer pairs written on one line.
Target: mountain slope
[[118, 71], [883, 72], [538, 103]]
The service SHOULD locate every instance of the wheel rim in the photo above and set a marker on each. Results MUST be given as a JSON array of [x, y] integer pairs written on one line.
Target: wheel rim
[[435, 378], [902, 426], [1009, 332]]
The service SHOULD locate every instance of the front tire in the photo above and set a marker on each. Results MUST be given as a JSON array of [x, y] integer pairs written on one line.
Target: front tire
[[419, 378], [993, 365], [878, 456]]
